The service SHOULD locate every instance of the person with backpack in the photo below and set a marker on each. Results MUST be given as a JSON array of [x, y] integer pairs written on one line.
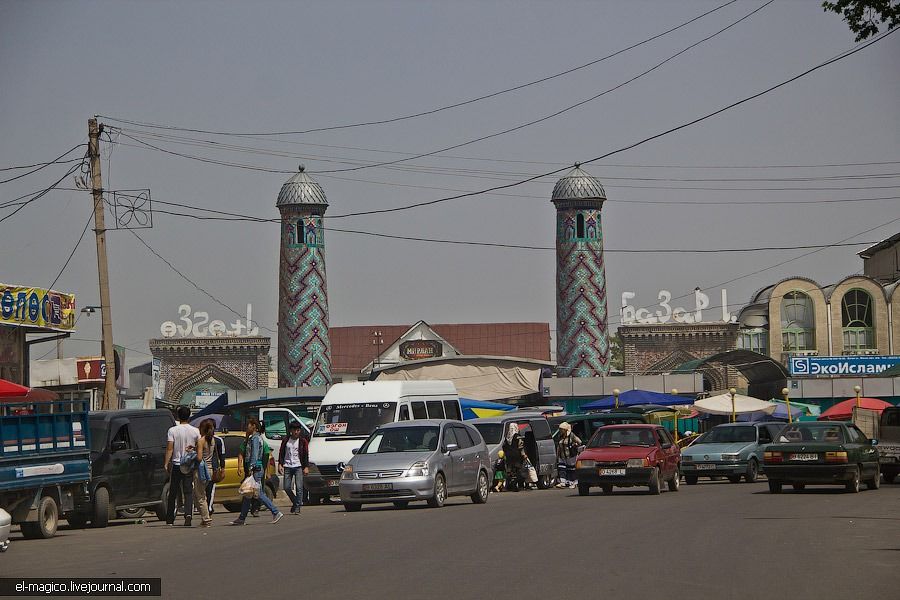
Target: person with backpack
[[567, 447], [180, 461], [253, 467], [293, 463]]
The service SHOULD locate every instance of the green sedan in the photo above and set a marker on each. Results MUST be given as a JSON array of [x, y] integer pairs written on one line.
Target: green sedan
[[822, 453]]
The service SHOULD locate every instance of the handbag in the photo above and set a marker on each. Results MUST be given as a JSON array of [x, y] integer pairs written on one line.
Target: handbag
[[218, 472], [188, 462], [249, 488]]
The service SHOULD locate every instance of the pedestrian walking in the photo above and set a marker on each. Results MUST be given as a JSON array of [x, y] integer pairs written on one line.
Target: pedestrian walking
[[514, 457], [181, 446], [218, 467], [293, 463], [266, 454], [567, 446], [254, 468], [203, 472]]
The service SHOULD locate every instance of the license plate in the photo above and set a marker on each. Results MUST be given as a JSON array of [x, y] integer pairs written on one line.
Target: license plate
[[376, 487], [701, 467], [804, 457], [612, 471]]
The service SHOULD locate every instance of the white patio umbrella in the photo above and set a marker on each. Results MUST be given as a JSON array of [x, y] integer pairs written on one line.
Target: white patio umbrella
[[721, 405]]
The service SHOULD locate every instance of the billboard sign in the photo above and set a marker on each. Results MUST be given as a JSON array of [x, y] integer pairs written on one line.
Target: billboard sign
[[36, 307], [835, 366], [421, 349]]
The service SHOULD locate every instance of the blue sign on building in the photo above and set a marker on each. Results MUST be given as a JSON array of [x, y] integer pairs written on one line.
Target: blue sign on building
[[817, 366]]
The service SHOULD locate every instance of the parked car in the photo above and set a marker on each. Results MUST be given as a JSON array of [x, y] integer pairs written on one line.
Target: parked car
[[585, 424], [535, 431], [128, 473], [629, 455], [823, 453], [889, 443], [732, 450], [227, 493], [428, 460], [5, 524]]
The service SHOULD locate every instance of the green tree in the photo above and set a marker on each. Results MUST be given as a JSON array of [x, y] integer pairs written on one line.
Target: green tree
[[865, 16], [616, 353]]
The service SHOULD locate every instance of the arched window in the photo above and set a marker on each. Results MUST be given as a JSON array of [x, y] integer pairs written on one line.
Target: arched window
[[798, 322], [579, 226], [858, 321]]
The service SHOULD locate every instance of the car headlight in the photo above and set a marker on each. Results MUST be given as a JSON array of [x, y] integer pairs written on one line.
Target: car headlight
[[585, 464], [637, 462], [347, 473], [418, 469], [732, 456]]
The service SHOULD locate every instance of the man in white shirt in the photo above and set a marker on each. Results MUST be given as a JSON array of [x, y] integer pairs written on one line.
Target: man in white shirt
[[180, 440]]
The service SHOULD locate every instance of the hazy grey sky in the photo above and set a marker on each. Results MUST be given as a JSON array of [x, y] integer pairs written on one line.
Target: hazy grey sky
[[266, 66]]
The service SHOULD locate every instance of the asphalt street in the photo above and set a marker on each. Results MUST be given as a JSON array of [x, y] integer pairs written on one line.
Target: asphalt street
[[713, 540]]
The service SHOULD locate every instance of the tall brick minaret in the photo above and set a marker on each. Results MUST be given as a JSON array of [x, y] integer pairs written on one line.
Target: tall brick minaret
[[304, 351], [582, 336]]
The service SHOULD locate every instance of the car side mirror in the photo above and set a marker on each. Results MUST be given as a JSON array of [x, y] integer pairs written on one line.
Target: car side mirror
[[874, 442], [451, 447], [355, 451], [667, 445], [118, 446]]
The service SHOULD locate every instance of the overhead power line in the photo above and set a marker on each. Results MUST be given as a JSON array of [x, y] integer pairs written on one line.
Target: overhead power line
[[429, 111], [40, 194], [637, 143], [72, 253], [42, 165]]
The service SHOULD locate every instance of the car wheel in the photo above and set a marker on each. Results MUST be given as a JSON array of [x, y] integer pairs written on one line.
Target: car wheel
[[734, 478], [47, 520], [606, 488], [654, 482], [675, 482], [100, 516], [440, 492], [401, 503], [752, 471], [584, 489], [799, 486], [852, 486], [352, 506], [774, 487], [875, 482], [690, 479], [482, 490], [132, 513]]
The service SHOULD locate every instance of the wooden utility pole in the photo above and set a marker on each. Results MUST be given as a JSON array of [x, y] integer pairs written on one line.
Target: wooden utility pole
[[110, 394]]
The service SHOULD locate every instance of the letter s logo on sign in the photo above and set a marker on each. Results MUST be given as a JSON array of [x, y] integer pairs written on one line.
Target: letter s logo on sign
[[800, 365]]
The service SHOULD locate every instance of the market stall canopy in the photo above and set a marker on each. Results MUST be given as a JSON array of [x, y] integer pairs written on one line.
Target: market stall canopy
[[633, 397], [721, 405], [779, 414], [477, 409], [843, 411], [15, 392]]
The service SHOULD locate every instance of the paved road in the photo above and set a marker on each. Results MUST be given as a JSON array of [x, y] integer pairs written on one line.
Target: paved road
[[713, 540]]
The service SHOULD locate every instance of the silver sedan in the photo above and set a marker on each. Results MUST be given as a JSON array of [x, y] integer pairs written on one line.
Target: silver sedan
[[427, 460]]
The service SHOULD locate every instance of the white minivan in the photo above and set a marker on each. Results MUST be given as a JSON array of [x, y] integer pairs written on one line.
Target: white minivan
[[351, 411]]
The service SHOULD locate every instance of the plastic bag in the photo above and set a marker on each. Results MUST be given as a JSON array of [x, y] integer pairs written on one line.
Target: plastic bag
[[249, 488], [532, 474]]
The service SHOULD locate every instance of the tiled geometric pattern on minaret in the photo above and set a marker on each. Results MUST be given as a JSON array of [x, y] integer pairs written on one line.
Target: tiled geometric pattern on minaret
[[582, 335], [581, 319], [304, 351]]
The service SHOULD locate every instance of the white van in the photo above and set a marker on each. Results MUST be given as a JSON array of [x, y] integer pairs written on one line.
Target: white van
[[350, 412]]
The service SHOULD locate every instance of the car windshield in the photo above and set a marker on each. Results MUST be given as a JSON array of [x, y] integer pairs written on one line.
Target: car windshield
[[402, 439], [807, 433], [621, 437], [730, 435], [490, 432], [339, 420]]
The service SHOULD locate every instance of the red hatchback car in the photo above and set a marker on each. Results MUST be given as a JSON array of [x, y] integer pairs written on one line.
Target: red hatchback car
[[629, 455]]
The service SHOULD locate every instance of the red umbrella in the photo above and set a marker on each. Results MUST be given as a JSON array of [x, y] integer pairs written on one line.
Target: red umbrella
[[14, 391], [843, 411], [9, 389]]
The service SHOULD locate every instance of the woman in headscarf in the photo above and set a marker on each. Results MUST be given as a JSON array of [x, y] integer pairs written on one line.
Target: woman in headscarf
[[567, 445], [515, 457]]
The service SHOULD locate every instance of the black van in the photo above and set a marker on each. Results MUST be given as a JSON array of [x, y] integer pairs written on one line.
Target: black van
[[128, 474], [584, 425]]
